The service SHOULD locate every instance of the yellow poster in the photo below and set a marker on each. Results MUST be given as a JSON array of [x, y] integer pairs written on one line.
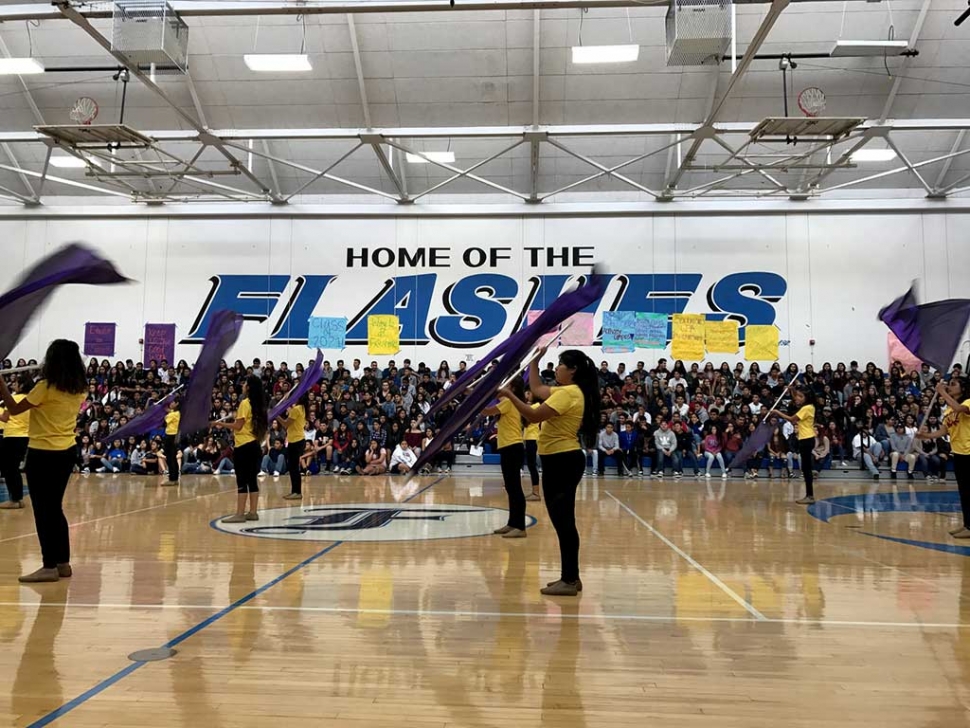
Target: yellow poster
[[721, 337], [688, 336], [383, 335], [761, 343]]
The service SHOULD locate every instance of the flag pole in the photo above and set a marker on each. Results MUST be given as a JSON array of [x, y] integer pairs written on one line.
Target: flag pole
[[778, 401], [20, 370]]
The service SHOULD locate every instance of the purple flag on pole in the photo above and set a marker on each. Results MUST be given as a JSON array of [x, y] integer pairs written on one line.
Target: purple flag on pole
[[310, 377], [151, 419], [931, 331], [72, 264], [224, 328], [517, 349], [756, 442]]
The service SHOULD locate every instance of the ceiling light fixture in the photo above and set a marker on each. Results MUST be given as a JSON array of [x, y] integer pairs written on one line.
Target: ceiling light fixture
[[605, 54], [443, 157], [873, 155], [20, 66], [67, 162], [278, 62], [867, 48]]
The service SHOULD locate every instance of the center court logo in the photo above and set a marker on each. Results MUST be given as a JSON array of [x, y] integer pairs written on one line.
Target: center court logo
[[372, 522]]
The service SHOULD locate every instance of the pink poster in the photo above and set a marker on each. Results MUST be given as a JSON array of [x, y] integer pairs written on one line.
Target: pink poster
[[579, 332], [898, 352]]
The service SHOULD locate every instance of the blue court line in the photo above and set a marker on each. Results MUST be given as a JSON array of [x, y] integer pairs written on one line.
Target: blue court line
[[125, 672]]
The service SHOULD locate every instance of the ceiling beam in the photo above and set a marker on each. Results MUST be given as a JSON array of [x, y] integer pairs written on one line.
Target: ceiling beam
[[898, 79], [945, 169], [360, 71], [35, 110], [706, 130], [82, 22]]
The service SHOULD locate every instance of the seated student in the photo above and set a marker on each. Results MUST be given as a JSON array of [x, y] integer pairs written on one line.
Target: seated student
[[192, 462], [152, 463], [821, 453], [712, 447], [374, 460], [665, 440], [629, 452], [274, 461], [686, 449], [900, 447], [867, 451], [778, 453], [608, 445], [115, 459], [403, 458], [137, 461]]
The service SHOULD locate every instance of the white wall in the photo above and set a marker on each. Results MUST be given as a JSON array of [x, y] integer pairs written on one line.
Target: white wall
[[838, 270]]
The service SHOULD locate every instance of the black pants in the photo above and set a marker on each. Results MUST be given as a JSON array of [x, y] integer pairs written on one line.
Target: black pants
[[48, 472], [806, 461], [961, 469], [171, 454], [561, 474], [245, 460], [511, 458], [12, 451], [531, 462], [294, 451], [618, 454]]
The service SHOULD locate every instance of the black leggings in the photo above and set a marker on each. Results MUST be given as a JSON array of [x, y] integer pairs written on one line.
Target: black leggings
[[171, 455], [561, 474], [294, 451], [961, 469], [806, 461], [48, 472], [531, 462], [511, 457], [245, 459], [12, 451]]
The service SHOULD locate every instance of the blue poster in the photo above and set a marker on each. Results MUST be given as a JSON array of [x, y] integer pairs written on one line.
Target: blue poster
[[618, 332], [327, 332], [651, 331]]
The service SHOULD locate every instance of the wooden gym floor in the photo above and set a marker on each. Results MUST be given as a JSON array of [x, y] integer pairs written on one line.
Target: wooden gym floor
[[705, 603]]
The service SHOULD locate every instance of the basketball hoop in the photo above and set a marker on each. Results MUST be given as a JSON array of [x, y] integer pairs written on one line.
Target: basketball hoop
[[811, 101], [84, 111]]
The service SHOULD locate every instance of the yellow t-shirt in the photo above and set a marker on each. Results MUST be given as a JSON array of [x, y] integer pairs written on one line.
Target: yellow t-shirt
[[806, 422], [19, 425], [531, 428], [297, 426], [245, 435], [958, 426], [561, 433], [54, 417], [172, 420], [509, 424]]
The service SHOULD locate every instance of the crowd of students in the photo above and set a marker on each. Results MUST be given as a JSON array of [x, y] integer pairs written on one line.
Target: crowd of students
[[372, 419]]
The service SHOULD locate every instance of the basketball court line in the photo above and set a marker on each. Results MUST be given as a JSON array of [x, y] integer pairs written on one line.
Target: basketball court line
[[126, 513], [128, 670], [592, 617], [692, 561]]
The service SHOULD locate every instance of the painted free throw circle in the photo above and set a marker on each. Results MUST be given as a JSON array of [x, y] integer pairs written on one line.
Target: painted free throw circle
[[372, 522]]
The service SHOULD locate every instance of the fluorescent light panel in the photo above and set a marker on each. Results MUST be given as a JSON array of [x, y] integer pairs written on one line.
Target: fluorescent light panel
[[606, 54], [443, 157], [278, 62], [873, 155], [20, 66], [67, 162], [863, 48]]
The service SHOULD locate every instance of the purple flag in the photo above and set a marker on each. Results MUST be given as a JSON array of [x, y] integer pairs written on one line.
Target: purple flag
[[931, 331], [151, 419], [224, 328], [310, 377], [756, 442], [518, 348], [72, 264]]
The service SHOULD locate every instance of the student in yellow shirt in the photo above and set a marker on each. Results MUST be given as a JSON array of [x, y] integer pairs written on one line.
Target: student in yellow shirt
[[249, 427], [531, 436], [511, 453], [956, 424], [51, 451], [13, 446], [295, 423], [568, 409], [172, 420], [804, 422]]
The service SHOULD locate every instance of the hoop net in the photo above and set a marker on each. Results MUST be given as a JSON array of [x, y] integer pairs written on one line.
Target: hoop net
[[84, 111], [811, 101]]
